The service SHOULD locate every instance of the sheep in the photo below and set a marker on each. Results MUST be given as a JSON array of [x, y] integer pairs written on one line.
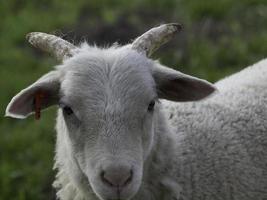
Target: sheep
[[130, 128]]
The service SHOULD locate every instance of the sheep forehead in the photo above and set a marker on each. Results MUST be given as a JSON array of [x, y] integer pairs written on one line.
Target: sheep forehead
[[119, 77]]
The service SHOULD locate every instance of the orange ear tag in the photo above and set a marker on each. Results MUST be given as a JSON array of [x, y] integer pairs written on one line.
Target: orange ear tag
[[38, 102]]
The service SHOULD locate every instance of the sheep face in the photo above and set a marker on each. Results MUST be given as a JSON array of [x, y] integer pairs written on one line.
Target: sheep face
[[108, 101], [107, 110]]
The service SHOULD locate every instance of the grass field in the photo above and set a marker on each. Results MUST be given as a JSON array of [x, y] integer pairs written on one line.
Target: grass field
[[219, 38]]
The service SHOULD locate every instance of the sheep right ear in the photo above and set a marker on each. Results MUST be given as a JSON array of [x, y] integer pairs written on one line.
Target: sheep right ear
[[40, 95]]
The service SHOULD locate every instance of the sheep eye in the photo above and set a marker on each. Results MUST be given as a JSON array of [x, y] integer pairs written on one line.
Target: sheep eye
[[151, 106], [66, 109]]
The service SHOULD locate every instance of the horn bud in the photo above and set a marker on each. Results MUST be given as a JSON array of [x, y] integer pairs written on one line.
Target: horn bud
[[58, 47]]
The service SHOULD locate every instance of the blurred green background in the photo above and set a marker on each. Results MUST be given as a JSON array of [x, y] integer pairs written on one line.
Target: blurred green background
[[219, 37]]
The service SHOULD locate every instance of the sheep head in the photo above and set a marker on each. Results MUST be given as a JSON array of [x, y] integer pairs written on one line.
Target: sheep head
[[108, 107]]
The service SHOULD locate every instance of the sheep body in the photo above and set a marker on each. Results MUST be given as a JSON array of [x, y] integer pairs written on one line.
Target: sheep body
[[222, 141], [115, 141]]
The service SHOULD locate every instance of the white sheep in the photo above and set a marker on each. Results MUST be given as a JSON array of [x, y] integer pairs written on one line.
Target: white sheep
[[117, 140]]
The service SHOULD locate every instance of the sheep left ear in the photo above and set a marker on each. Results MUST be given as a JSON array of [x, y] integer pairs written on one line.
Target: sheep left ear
[[40, 95], [176, 86]]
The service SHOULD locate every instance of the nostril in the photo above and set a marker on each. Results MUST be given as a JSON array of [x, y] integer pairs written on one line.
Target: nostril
[[104, 180], [129, 179]]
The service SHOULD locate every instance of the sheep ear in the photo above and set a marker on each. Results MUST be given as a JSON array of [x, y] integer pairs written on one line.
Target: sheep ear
[[176, 86], [40, 95]]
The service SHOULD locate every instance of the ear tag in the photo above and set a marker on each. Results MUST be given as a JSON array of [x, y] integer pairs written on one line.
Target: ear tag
[[37, 104]]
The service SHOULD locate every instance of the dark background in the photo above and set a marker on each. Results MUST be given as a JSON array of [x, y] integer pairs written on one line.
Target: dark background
[[220, 37]]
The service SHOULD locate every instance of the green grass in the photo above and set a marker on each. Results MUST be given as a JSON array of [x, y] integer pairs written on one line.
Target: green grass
[[219, 38]]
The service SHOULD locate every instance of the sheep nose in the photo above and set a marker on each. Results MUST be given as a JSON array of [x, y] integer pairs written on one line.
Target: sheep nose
[[116, 176]]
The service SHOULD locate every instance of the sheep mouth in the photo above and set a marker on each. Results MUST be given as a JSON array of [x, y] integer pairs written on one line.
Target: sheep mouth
[[116, 199]]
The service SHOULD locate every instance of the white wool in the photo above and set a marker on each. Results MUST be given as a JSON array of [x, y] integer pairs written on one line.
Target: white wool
[[211, 149]]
